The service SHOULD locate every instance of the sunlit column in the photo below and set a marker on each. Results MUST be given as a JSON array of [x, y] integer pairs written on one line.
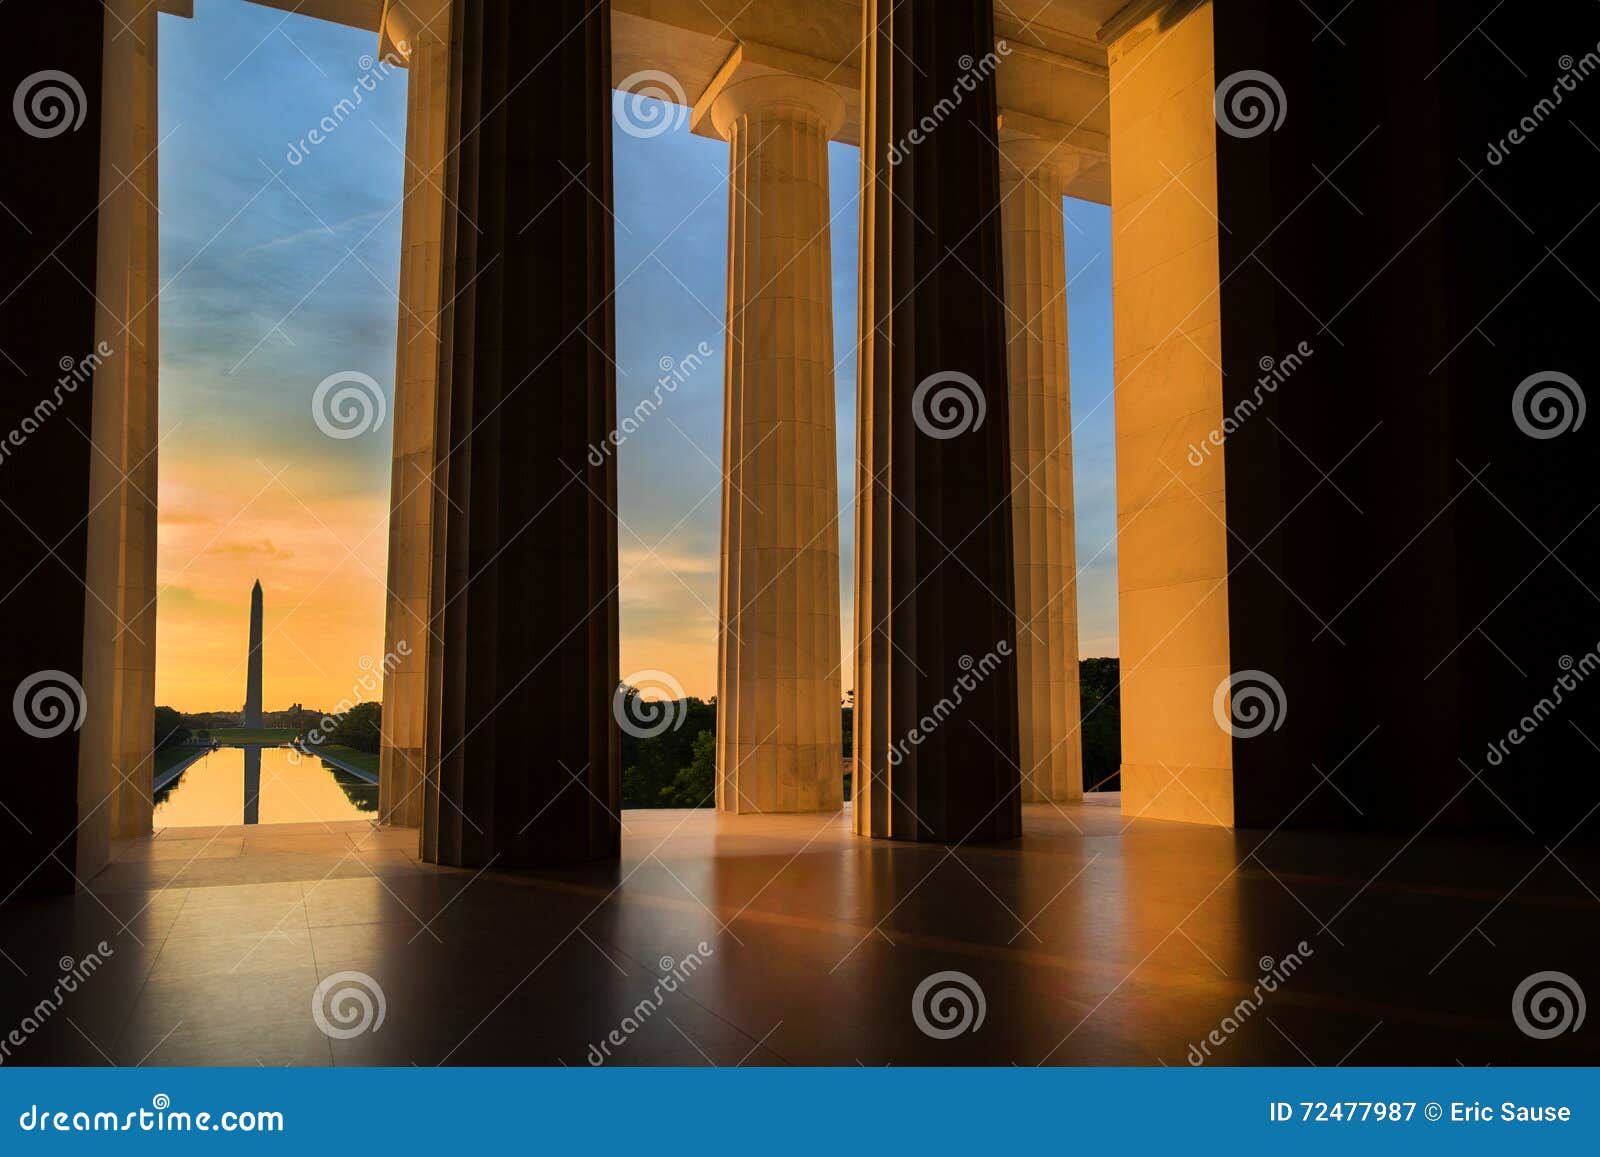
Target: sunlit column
[[115, 774], [778, 727], [1032, 180], [418, 33], [1173, 572]]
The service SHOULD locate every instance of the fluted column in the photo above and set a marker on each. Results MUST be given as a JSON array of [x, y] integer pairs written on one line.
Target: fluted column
[[417, 33], [1032, 182], [778, 726], [522, 764], [936, 681], [120, 613]]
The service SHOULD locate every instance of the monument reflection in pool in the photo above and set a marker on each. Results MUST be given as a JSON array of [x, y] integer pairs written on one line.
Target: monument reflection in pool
[[262, 785]]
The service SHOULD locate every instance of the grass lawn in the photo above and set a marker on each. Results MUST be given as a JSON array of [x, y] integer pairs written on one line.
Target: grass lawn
[[365, 760], [167, 758], [253, 734]]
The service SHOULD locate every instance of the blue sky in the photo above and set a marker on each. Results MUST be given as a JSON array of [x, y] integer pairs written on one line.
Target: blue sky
[[278, 274]]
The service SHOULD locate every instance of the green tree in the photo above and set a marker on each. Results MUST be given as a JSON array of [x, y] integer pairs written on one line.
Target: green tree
[[651, 762], [1100, 705], [695, 785], [170, 728], [361, 727]]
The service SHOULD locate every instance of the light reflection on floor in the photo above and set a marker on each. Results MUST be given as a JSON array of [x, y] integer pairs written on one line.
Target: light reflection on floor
[[262, 785]]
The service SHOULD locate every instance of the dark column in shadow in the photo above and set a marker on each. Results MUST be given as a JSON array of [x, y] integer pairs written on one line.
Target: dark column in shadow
[[252, 785], [523, 767], [936, 683], [1412, 499], [50, 186]]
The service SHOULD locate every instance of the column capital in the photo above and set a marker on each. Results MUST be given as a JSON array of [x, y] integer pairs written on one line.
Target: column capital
[[773, 92], [406, 24], [1037, 158]]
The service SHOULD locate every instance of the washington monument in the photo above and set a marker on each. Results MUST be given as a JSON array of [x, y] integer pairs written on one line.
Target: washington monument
[[252, 687]]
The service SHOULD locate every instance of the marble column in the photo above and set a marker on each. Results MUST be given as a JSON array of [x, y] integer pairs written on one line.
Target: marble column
[[115, 768], [936, 681], [1173, 570], [1032, 181], [522, 764], [417, 34], [778, 725], [51, 183]]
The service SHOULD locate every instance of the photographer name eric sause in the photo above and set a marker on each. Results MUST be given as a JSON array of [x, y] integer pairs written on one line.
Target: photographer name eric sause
[[1400, 1112]]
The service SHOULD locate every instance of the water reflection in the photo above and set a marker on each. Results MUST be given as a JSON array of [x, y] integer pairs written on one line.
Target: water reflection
[[262, 785]]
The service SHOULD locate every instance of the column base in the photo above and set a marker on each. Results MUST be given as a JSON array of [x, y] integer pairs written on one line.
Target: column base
[[1196, 795], [774, 780]]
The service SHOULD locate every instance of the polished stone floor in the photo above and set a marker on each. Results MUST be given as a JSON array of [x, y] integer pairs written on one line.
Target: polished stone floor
[[1093, 940]]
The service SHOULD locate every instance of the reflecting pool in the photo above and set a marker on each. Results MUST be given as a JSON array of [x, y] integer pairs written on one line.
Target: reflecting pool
[[263, 785]]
